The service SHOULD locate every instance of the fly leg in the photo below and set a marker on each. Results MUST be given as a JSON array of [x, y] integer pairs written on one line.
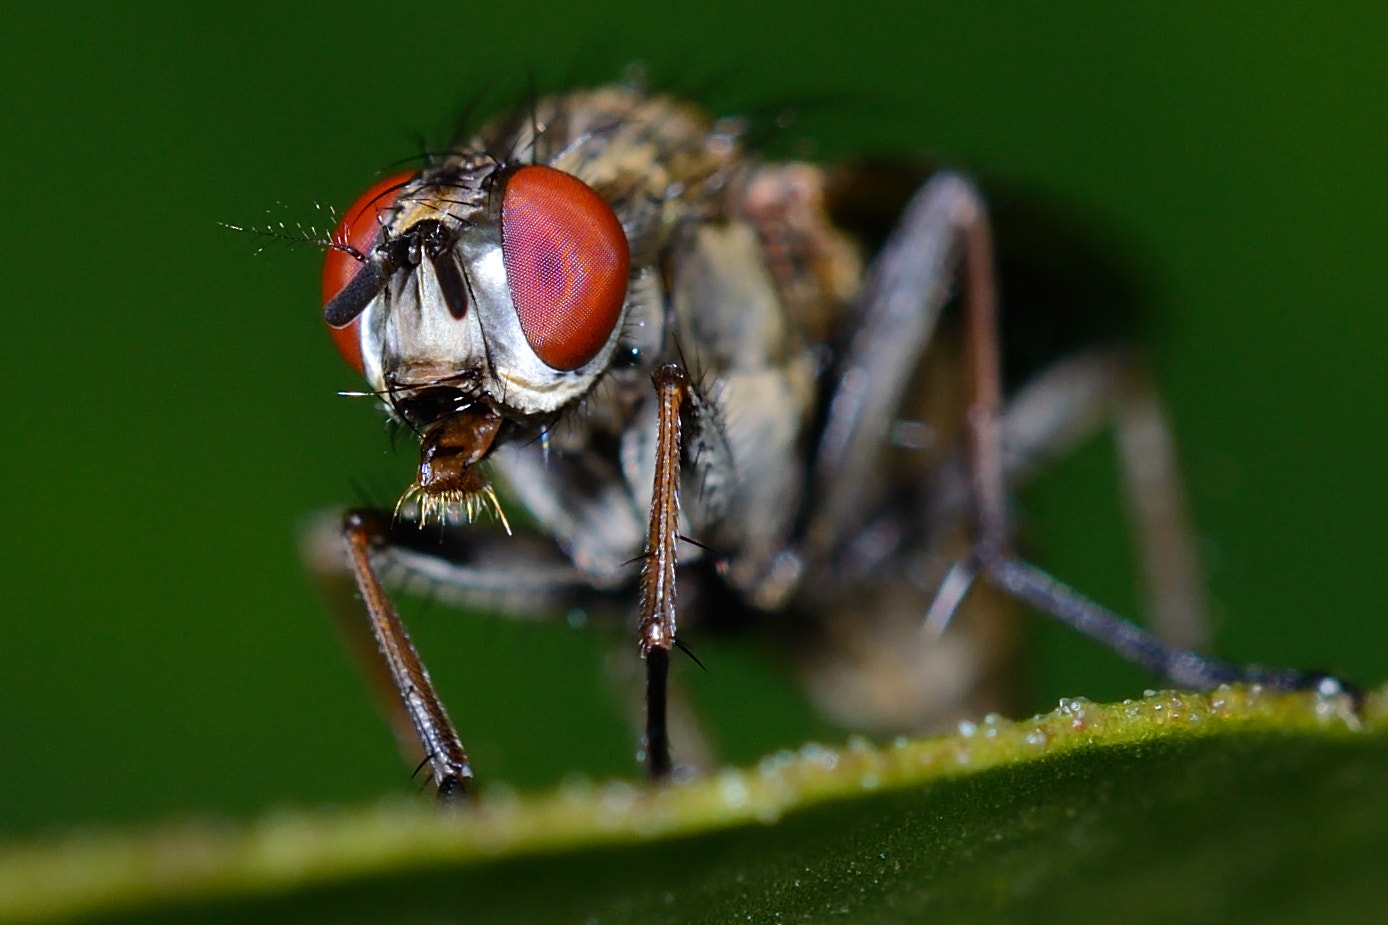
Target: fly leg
[[993, 554], [438, 739], [1066, 404], [693, 751], [909, 284], [1173, 580], [472, 568], [325, 557], [657, 626]]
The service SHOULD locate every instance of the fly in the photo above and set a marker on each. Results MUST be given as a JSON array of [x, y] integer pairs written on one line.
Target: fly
[[606, 310]]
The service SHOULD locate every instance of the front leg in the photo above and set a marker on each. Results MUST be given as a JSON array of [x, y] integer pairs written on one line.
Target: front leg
[[657, 626], [443, 750]]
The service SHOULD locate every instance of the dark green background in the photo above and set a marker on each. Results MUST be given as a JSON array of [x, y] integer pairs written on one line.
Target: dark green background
[[170, 407]]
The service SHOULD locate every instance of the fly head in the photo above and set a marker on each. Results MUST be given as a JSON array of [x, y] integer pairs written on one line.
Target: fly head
[[471, 295]]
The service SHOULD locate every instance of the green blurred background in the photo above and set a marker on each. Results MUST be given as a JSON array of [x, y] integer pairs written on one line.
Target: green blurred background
[[171, 411]]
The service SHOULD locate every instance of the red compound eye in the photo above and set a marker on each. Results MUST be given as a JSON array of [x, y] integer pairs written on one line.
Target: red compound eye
[[567, 262], [360, 228]]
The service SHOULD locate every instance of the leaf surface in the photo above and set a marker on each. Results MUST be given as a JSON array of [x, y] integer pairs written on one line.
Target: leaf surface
[[1233, 806]]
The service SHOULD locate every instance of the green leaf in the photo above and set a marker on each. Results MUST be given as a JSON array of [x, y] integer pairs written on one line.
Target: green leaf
[[1235, 805]]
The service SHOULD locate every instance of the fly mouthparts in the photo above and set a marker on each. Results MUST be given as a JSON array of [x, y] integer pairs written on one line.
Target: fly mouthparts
[[449, 487], [454, 445], [451, 507]]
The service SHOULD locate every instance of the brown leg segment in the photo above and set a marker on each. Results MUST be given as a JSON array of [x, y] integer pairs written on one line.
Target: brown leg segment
[[438, 739], [657, 627], [1071, 400]]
